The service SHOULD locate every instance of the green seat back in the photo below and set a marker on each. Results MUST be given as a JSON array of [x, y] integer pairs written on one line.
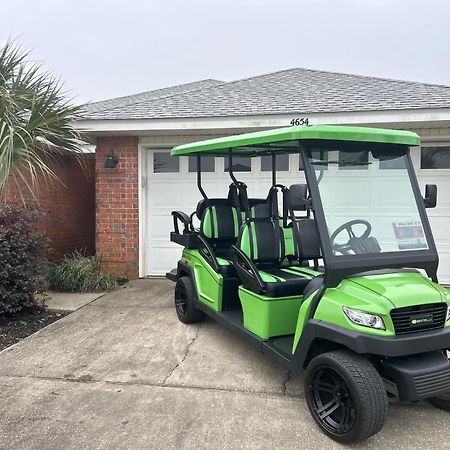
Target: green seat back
[[262, 240], [220, 222]]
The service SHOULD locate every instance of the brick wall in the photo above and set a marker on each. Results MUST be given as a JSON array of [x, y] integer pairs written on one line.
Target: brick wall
[[117, 224], [68, 207]]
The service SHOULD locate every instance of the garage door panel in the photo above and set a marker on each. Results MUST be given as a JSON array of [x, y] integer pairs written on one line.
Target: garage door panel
[[212, 188], [160, 225], [444, 264], [166, 254], [162, 194], [440, 225]]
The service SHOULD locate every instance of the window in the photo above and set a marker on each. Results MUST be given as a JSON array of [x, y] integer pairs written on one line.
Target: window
[[240, 164], [319, 156], [353, 160], [435, 158], [164, 163], [208, 163], [282, 163]]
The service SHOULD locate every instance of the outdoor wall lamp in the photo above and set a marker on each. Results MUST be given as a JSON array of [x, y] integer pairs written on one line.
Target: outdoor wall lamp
[[111, 161]]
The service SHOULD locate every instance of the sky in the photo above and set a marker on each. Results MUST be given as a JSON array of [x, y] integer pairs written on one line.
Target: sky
[[108, 48]]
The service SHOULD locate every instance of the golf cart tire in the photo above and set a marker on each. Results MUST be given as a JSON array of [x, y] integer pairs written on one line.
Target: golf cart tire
[[189, 313], [363, 389], [441, 401]]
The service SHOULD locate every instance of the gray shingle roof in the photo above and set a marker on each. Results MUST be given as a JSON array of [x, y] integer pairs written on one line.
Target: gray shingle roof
[[289, 91], [121, 102]]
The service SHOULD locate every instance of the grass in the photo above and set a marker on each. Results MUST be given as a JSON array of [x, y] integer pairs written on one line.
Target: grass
[[78, 273]]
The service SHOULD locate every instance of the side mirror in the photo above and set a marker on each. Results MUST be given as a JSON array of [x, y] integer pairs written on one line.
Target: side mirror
[[430, 196]]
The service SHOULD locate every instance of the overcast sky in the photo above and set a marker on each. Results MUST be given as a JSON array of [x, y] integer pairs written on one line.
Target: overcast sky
[[108, 48]]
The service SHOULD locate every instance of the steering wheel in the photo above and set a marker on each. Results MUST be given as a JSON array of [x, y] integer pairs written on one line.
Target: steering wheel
[[352, 238]]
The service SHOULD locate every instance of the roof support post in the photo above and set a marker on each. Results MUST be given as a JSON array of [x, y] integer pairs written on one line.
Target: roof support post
[[274, 169], [199, 176], [230, 167]]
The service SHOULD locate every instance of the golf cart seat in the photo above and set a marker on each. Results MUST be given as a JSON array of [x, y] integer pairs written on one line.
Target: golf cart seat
[[305, 235], [257, 256], [219, 229]]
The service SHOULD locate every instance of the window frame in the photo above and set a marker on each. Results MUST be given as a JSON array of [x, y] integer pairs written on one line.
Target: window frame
[[215, 160], [277, 163], [437, 171], [226, 161], [167, 151]]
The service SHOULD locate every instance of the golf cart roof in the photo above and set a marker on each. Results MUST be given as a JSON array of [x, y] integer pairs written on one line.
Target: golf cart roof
[[284, 140]]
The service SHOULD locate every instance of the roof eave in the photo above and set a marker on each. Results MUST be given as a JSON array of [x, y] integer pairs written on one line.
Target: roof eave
[[264, 121]]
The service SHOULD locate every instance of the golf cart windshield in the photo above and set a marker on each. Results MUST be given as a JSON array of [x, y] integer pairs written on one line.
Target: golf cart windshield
[[367, 198]]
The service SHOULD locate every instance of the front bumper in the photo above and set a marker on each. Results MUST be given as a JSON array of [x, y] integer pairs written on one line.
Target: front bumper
[[417, 377], [402, 345], [367, 344]]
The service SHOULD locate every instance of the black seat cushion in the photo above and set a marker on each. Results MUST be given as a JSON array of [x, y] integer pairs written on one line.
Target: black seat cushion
[[262, 241], [284, 284]]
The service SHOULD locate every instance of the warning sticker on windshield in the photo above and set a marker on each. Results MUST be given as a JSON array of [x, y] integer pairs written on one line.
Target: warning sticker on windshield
[[410, 235]]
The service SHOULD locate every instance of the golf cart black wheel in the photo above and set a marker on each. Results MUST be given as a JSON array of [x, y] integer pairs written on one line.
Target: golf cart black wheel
[[184, 302], [346, 396], [441, 401]]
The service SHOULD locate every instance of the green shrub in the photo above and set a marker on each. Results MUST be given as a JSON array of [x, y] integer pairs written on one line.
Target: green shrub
[[78, 273], [22, 255]]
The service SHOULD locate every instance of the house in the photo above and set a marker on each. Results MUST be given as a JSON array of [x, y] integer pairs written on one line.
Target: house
[[134, 199]]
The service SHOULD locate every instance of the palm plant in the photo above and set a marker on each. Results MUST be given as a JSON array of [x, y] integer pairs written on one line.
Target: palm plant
[[37, 121]]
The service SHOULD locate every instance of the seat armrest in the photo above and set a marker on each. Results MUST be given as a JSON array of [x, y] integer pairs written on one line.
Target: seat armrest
[[247, 271], [184, 219]]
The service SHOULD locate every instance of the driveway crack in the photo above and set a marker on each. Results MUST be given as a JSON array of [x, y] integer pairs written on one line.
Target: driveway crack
[[286, 379], [188, 347]]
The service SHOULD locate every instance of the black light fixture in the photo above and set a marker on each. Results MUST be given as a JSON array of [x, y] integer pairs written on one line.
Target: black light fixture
[[111, 161]]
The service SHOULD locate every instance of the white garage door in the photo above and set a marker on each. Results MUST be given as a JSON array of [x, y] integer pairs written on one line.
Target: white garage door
[[171, 185]]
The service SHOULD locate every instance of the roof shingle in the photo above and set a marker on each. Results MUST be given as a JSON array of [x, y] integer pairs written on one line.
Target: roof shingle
[[298, 90], [121, 102]]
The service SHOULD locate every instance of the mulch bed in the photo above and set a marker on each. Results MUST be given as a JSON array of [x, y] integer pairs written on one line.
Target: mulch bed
[[18, 326]]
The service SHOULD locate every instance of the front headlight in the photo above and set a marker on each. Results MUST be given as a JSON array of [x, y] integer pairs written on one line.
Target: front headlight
[[448, 314], [364, 319]]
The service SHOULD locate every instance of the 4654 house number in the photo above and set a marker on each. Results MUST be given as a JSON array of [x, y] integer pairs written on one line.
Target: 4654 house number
[[299, 121]]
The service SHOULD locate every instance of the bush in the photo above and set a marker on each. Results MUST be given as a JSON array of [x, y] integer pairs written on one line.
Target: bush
[[78, 273], [22, 254]]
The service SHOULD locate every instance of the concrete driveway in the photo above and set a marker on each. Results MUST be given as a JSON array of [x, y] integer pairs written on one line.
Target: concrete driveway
[[123, 372]]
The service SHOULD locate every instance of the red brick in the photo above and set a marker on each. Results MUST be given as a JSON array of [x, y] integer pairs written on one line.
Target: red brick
[[117, 239], [68, 207]]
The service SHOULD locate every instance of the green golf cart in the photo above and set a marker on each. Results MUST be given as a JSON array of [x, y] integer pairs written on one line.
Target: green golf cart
[[335, 276]]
